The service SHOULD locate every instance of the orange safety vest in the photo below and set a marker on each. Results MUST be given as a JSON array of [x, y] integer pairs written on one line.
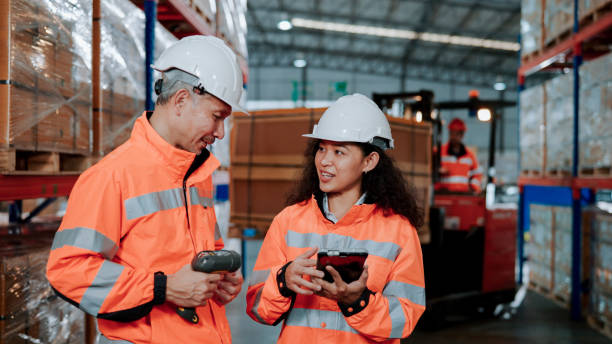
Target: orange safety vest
[[128, 217], [395, 267], [463, 172]]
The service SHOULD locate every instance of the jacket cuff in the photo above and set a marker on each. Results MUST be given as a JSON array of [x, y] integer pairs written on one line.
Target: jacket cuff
[[159, 288], [358, 305], [280, 282]]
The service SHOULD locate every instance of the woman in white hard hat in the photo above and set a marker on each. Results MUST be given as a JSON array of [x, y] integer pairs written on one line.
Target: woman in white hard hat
[[351, 196]]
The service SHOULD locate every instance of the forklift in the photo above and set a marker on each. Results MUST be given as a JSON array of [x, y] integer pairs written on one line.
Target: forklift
[[470, 259]]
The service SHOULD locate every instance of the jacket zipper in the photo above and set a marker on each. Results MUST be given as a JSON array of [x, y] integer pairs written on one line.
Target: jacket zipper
[[186, 205]]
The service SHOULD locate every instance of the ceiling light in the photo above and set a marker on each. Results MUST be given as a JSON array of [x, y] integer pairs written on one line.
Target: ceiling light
[[284, 25], [499, 86], [299, 63], [419, 116], [484, 115], [405, 34]]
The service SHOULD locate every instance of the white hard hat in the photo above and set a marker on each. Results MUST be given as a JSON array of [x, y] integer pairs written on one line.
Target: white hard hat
[[354, 118], [212, 62]]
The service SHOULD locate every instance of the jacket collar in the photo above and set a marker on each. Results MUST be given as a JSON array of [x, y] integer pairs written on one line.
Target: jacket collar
[[176, 160], [358, 213]]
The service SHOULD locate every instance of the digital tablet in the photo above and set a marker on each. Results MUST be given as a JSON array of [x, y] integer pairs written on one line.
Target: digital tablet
[[348, 263]]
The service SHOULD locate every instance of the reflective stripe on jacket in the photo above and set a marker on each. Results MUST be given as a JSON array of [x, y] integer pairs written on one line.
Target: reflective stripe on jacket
[[395, 276], [129, 216], [464, 174]]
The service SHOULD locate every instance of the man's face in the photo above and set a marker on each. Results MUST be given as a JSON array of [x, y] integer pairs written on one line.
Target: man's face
[[455, 136], [201, 122]]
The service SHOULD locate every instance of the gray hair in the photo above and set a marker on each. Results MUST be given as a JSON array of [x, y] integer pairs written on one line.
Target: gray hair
[[173, 81]]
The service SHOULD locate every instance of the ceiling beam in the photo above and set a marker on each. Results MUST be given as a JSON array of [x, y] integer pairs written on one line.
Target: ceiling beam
[[336, 17]]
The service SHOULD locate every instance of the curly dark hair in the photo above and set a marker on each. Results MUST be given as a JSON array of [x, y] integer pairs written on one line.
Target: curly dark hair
[[385, 185]]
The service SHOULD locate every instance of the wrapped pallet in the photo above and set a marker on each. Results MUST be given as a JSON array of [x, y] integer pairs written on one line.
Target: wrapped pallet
[[558, 19], [122, 72], [596, 116], [531, 26], [587, 8], [600, 309], [562, 272], [30, 310], [267, 156], [559, 124], [45, 68], [532, 128], [540, 250]]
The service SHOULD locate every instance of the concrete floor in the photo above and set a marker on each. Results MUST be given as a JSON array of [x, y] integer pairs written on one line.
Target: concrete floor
[[537, 320]]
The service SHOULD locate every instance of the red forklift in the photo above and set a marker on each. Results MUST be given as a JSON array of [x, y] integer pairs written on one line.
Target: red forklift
[[470, 260]]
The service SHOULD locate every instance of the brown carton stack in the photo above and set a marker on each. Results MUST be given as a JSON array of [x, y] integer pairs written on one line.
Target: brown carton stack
[[596, 117], [558, 20], [541, 247], [31, 312], [45, 97], [533, 134], [122, 77], [531, 27], [600, 309], [559, 124], [267, 156]]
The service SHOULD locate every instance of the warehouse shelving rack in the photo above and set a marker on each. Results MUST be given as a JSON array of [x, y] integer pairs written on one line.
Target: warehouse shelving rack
[[574, 191]]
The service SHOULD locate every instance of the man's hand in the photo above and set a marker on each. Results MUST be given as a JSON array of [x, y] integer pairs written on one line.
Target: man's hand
[[294, 274], [340, 291], [443, 171], [229, 287], [188, 288]]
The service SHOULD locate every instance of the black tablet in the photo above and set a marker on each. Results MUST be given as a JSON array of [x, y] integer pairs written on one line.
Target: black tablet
[[348, 263]]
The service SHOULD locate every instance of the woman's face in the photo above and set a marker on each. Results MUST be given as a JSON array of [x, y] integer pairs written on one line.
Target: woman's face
[[340, 166]]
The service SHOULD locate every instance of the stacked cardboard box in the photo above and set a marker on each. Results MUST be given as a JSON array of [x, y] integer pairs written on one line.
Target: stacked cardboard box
[[550, 250], [596, 114], [267, 156], [559, 105], [601, 288], [122, 72], [31, 312], [540, 247], [531, 26], [558, 19], [533, 134], [45, 97]]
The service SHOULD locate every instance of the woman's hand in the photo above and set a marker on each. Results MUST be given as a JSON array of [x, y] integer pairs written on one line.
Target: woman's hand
[[339, 290], [294, 274]]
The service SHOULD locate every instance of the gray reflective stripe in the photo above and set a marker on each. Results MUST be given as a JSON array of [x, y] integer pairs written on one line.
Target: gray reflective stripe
[[398, 319], [467, 161], [104, 340], [256, 306], [455, 179], [258, 276], [85, 238], [388, 250], [217, 232], [475, 172], [150, 203], [449, 158], [314, 318], [411, 292], [103, 283], [197, 199], [475, 181]]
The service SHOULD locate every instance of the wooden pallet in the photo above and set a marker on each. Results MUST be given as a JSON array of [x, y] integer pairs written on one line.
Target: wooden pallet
[[558, 173], [28, 162], [564, 35], [531, 173], [605, 327], [594, 14], [605, 171]]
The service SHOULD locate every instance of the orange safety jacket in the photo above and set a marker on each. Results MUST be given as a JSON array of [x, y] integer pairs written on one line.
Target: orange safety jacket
[[464, 174], [145, 208], [395, 267]]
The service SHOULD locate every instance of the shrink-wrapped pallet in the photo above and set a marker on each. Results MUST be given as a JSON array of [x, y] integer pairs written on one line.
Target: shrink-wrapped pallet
[[531, 26], [595, 115], [559, 123], [45, 69], [532, 129]]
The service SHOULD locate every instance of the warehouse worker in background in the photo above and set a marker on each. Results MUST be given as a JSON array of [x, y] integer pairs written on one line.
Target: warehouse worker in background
[[351, 196], [459, 171], [137, 218]]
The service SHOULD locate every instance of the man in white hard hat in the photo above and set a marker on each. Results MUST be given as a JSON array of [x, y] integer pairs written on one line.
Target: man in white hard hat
[[137, 218]]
